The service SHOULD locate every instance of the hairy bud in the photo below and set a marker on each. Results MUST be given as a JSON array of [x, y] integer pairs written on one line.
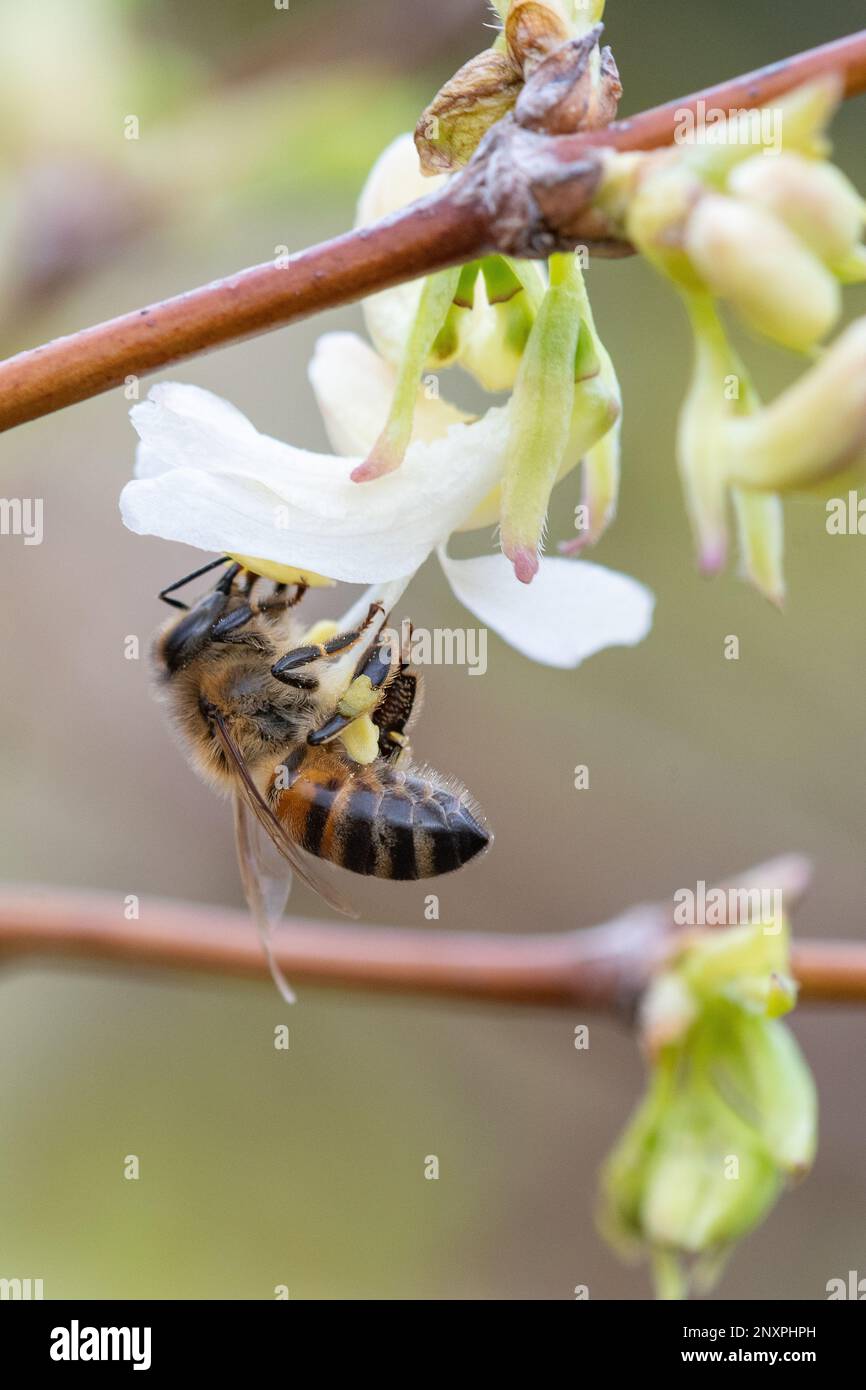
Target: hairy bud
[[476, 97], [533, 30], [575, 88]]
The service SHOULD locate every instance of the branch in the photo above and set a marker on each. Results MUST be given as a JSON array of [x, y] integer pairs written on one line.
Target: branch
[[598, 968], [549, 181]]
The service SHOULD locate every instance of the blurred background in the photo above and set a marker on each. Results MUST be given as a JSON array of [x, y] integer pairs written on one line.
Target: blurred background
[[305, 1168]]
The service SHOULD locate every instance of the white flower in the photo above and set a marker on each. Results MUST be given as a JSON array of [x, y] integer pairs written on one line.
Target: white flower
[[206, 477]]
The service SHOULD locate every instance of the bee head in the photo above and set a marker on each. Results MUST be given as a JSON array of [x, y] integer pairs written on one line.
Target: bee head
[[183, 639]]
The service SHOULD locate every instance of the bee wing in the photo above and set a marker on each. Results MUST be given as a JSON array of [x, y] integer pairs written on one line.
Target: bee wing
[[267, 882], [261, 859]]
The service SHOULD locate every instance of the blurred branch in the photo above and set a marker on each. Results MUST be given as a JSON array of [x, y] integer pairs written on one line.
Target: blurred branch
[[604, 967], [522, 193]]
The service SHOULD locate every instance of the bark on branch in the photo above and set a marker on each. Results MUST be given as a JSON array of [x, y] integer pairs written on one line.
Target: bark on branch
[[598, 968]]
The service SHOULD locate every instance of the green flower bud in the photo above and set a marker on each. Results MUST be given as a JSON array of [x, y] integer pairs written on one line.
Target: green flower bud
[[811, 431], [814, 199], [541, 410], [775, 283], [624, 1174], [553, 416], [709, 1181], [729, 1114], [758, 1070], [728, 960]]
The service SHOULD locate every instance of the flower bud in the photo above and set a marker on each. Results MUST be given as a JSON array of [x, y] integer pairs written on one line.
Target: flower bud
[[533, 30], [475, 98], [554, 417], [541, 407], [575, 88], [709, 1181], [730, 1111], [664, 195], [761, 1074], [814, 199], [717, 962], [623, 1176], [775, 283], [814, 429]]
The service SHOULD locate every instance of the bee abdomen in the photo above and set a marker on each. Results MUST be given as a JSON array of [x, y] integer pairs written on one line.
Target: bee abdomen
[[386, 823], [406, 828]]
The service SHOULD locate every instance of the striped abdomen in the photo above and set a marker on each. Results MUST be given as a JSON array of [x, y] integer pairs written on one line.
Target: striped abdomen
[[375, 820]]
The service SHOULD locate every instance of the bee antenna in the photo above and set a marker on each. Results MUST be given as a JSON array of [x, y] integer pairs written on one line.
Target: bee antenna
[[188, 578]]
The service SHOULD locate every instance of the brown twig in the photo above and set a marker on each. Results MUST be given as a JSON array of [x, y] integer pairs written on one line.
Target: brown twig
[[553, 178], [845, 58], [598, 968]]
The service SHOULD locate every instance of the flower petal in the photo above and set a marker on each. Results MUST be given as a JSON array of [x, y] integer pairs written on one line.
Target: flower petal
[[354, 387], [195, 403], [572, 609], [232, 489]]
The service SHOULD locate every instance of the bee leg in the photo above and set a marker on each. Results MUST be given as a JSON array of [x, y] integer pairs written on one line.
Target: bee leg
[[394, 713], [230, 623], [317, 651], [239, 617], [373, 675]]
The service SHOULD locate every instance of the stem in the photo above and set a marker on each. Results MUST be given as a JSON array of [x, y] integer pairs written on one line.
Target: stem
[[439, 231], [598, 968], [429, 235]]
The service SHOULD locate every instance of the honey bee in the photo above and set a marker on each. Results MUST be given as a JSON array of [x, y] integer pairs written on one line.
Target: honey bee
[[260, 712]]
